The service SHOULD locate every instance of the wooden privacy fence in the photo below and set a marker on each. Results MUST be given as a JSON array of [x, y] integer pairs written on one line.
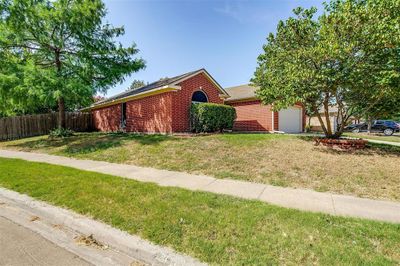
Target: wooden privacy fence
[[34, 125]]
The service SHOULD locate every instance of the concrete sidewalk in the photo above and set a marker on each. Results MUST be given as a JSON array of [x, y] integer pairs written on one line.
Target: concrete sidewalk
[[362, 137], [301, 199], [383, 142]]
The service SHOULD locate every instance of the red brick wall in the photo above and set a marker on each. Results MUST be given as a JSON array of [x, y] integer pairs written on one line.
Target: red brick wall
[[151, 114], [276, 121], [252, 116], [107, 118], [304, 117], [181, 100]]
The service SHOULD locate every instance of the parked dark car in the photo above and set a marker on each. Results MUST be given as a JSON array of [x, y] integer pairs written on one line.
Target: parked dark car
[[386, 127]]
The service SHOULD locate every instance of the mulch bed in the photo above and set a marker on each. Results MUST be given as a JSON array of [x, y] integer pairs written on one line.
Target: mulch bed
[[345, 144]]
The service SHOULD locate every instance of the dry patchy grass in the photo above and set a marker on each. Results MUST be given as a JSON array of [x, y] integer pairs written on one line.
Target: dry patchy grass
[[280, 160]]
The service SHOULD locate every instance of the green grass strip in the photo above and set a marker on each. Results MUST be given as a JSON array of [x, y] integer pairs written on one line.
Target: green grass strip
[[216, 229]]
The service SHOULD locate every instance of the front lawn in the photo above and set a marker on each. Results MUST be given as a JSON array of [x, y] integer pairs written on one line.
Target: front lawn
[[216, 229], [282, 160]]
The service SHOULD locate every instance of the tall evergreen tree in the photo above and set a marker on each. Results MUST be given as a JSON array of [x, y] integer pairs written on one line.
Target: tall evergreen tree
[[63, 50]]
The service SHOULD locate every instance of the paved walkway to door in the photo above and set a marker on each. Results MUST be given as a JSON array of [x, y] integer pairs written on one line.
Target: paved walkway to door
[[302, 199]]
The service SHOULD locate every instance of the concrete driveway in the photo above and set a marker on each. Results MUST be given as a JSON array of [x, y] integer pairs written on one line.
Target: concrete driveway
[[20, 246]]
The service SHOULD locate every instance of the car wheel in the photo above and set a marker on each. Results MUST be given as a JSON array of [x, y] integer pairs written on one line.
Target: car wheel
[[388, 132], [357, 130]]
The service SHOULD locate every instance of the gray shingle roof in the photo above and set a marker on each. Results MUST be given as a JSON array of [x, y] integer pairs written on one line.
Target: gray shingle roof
[[241, 92], [148, 87]]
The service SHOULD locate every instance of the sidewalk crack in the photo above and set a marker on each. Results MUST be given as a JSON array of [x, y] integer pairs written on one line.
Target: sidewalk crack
[[265, 187], [210, 183]]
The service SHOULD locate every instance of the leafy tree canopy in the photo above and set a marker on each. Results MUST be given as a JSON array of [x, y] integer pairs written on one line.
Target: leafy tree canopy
[[136, 84], [60, 51], [348, 58]]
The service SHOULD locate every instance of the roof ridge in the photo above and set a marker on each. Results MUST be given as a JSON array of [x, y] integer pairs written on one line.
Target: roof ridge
[[153, 85], [241, 92], [242, 85]]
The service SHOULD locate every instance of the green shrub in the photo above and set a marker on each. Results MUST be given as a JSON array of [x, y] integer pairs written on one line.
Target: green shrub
[[211, 117], [61, 133]]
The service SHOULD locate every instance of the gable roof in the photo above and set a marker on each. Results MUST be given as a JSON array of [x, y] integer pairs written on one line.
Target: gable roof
[[160, 86], [241, 92]]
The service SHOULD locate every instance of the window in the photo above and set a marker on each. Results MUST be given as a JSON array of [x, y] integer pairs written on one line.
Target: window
[[199, 97], [123, 115], [389, 123]]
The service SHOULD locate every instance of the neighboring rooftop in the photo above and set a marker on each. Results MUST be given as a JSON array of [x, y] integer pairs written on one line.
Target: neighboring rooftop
[[241, 92]]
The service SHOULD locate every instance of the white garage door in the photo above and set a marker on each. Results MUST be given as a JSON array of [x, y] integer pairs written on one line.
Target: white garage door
[[290, 120]]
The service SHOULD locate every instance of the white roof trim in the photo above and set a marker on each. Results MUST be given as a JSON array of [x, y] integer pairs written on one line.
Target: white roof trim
[[99, 105], [146, 92], [225, 96], [172, 87]]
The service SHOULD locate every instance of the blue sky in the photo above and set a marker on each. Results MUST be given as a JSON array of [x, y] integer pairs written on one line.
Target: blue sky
[[178, 36]]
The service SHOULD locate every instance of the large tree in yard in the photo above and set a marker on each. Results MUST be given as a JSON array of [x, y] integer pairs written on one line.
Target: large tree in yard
[[348, 58], [17, 96], [371, 36], [64, 52]]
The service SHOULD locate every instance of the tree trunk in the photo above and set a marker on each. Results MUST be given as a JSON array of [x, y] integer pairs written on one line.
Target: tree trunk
[[327, 119], [369, 125], [61, 102], [61, 113], [321, 121], [340, 122], [309, 122], [340, 129]]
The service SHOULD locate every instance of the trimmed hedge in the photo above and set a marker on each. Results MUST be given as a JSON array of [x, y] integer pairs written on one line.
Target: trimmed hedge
[[211, 117]]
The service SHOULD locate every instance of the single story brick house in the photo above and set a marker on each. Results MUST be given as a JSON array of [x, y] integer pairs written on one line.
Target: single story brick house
[[159, 107], [164, 106]]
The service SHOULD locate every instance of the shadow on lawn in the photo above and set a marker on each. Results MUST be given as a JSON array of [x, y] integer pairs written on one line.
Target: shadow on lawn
[[91, 142], [371, 148]]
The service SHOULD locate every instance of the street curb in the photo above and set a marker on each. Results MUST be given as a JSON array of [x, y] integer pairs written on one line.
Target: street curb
[[62, 226]]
